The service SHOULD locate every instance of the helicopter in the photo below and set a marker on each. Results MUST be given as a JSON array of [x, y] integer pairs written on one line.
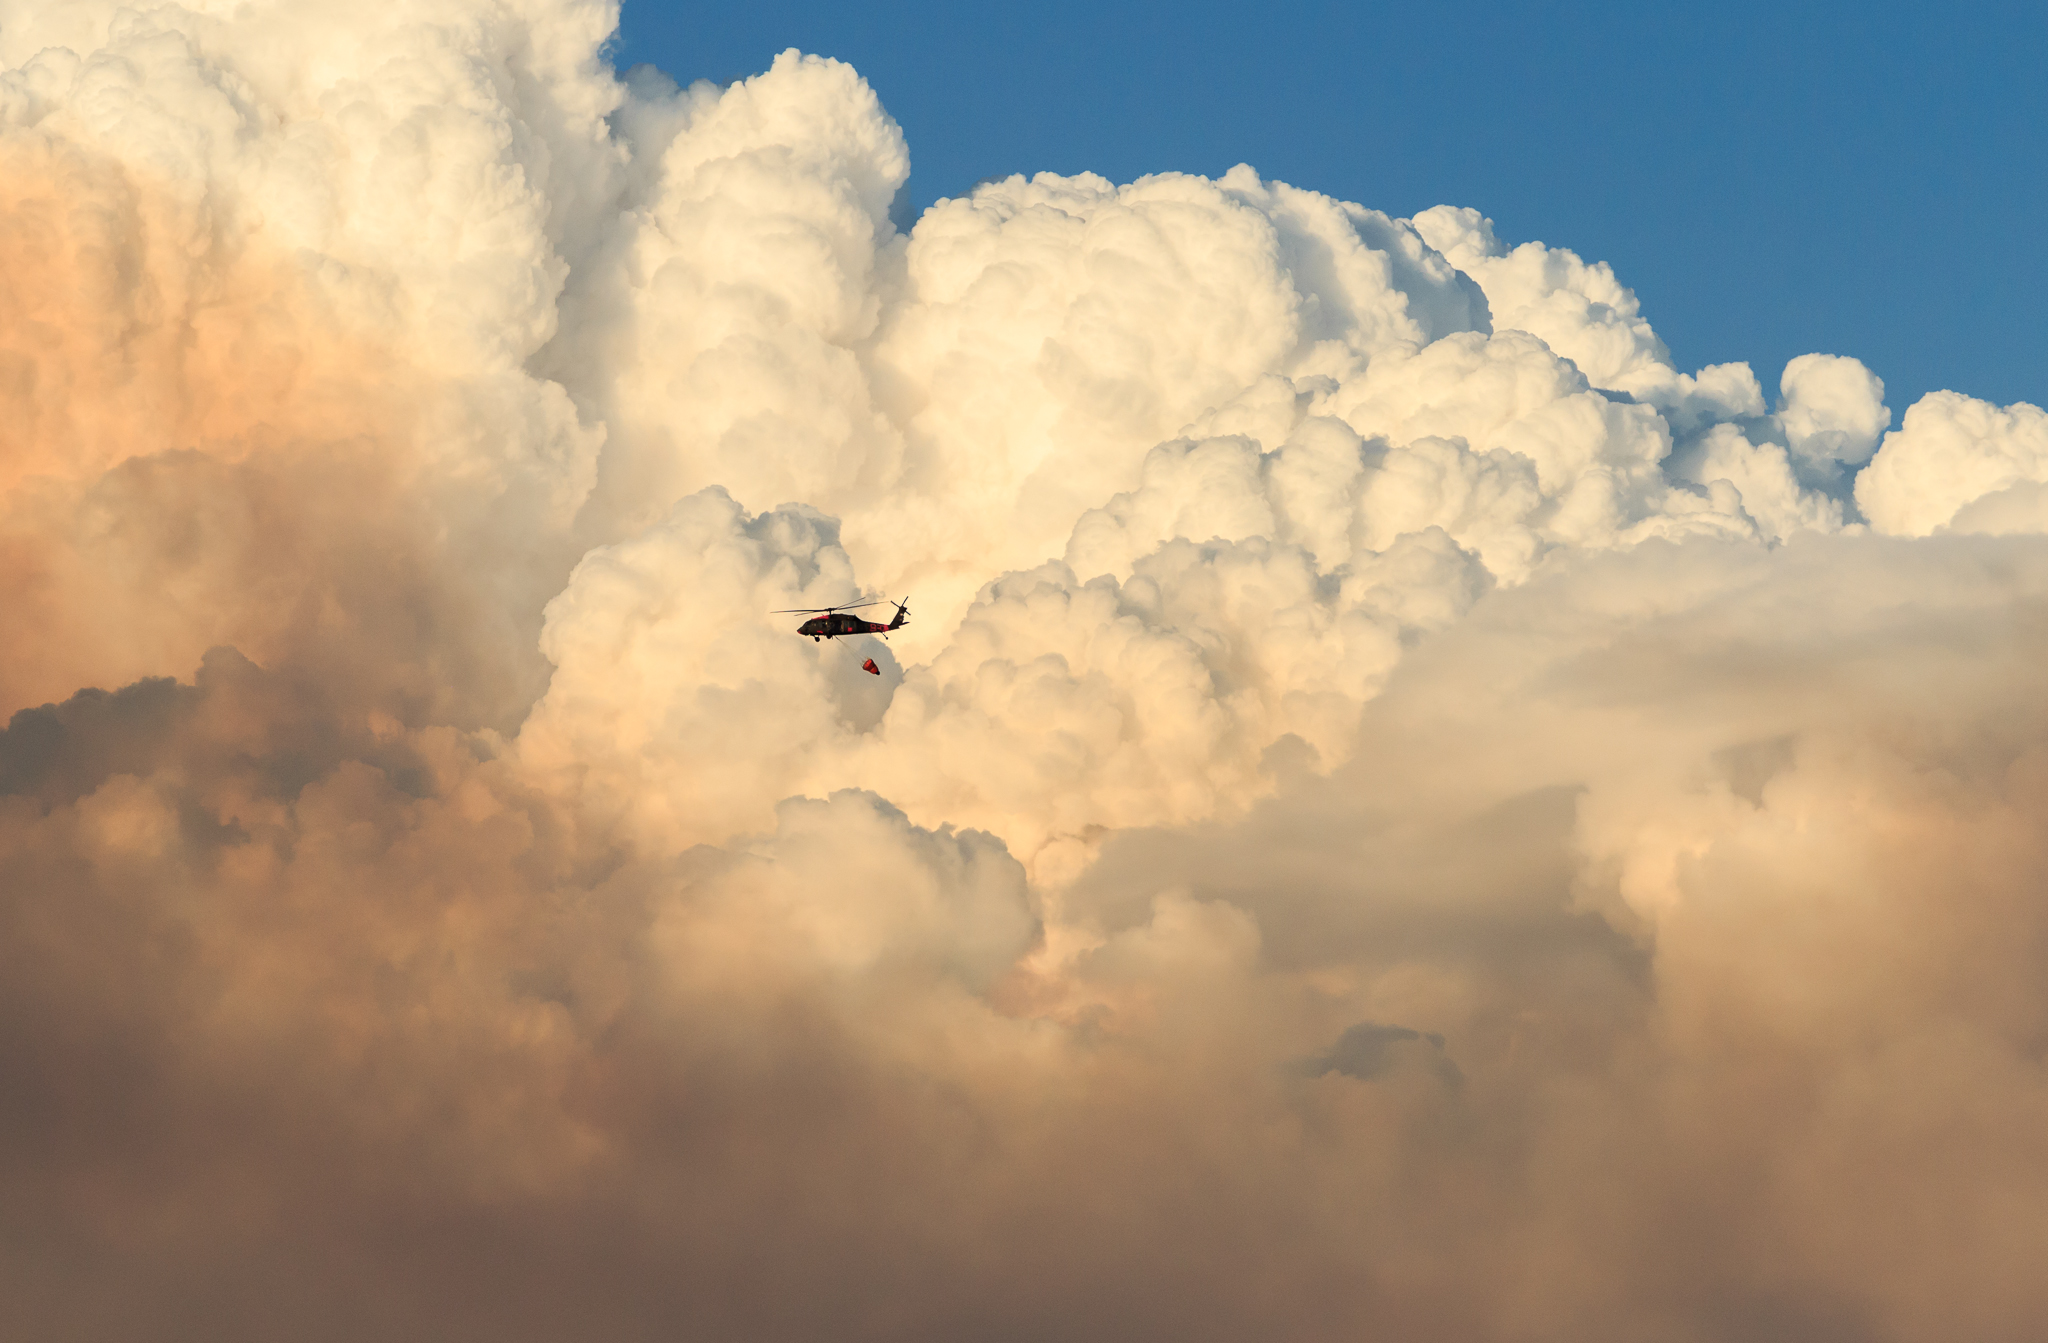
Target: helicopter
[[829, 622]]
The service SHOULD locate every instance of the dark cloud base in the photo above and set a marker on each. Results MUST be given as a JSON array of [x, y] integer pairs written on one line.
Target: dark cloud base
[[319, 1030]]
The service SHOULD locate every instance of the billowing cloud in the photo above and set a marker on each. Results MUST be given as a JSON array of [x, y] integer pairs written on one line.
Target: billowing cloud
[[1832, 409], [1962, 463], [1397, 811]]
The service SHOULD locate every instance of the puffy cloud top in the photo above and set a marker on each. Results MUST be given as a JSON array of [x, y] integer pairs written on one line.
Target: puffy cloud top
[[1832, 408], [1958, 461]]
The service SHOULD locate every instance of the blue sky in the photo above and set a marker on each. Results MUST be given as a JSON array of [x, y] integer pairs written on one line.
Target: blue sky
[[1771, 179]]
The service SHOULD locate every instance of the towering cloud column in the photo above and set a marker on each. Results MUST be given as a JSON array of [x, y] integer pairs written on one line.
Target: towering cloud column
[[1399, 812]]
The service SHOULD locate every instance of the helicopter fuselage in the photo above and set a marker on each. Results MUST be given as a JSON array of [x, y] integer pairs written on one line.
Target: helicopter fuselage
[[838, 623]]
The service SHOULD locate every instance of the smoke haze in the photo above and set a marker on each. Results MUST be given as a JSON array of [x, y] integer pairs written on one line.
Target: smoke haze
[[1400, 812]]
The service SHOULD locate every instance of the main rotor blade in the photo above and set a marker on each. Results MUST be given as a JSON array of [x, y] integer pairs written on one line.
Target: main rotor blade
[[824, 610]]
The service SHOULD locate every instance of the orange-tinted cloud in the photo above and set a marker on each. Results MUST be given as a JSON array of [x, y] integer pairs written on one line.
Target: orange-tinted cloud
[[194, 452], [327, 1024], [1370, 887]]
